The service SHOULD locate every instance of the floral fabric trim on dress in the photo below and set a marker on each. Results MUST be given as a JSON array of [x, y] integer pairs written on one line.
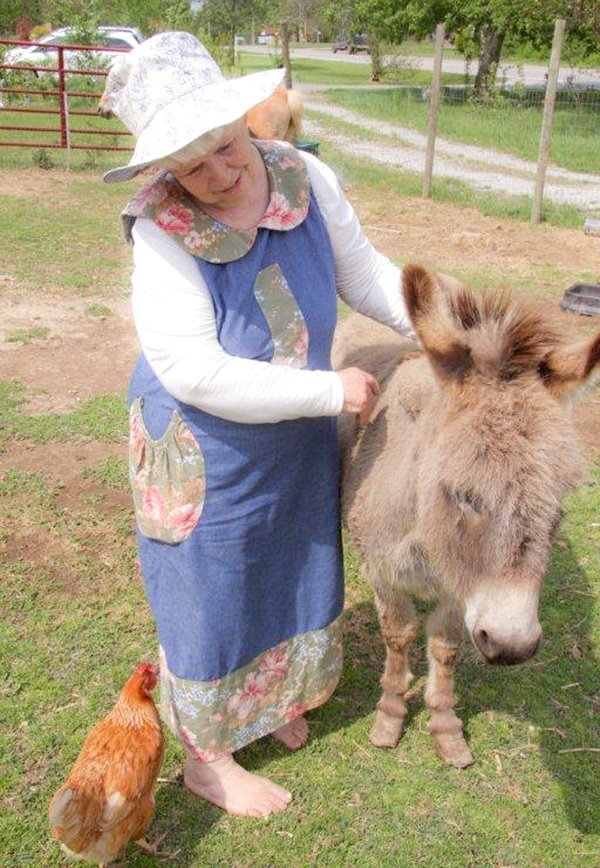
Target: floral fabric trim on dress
[[215, 718], [284, 318], [165, 202], [167, 478]]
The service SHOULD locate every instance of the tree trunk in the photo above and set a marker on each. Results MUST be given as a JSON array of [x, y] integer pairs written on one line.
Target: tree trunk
[[376, 59], [489, 57]]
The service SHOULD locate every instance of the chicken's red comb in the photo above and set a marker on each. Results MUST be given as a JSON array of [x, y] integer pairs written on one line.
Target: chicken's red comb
[[146, 667]]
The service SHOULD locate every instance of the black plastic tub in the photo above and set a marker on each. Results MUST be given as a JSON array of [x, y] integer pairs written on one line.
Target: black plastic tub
[[582, 298]]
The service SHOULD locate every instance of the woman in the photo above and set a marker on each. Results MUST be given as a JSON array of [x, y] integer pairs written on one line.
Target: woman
[[239, 249]]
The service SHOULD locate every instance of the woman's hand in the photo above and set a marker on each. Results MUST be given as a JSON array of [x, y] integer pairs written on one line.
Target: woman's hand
[[360, 391]]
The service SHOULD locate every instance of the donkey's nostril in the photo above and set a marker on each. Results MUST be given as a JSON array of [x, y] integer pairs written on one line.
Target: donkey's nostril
[[500, 653], [484, 643]]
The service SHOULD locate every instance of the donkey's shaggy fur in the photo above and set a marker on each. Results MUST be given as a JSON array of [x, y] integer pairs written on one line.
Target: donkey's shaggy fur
[[453, 491]]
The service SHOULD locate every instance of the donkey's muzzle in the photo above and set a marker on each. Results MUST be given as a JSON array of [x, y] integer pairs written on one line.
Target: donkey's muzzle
[[499, 653]]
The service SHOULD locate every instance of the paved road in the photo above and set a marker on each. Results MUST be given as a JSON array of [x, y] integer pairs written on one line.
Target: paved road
[[529, 73]]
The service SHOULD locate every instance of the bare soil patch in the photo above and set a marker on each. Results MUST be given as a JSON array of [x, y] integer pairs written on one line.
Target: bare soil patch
[[82, 356], [63, 463], [452, 239], [37, 186]]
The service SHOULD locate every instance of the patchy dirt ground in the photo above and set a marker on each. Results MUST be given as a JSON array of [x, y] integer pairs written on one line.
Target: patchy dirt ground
[[85, 355]]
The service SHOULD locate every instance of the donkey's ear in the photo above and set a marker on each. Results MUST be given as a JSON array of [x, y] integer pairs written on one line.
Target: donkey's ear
[[445, 345], [567, 369]]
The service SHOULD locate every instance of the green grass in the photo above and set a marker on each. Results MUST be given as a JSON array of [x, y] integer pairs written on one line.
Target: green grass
[[46, 157], [25, 336], [77, 206], [103, 417], [500, 126], [76, 623], [339, 72], [99, 310]]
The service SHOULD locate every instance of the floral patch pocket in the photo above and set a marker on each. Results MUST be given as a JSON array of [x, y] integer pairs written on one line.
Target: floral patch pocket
[[284, 318], [167, 478]]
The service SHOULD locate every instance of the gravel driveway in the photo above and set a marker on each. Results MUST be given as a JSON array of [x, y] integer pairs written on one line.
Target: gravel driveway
[[481, 168]]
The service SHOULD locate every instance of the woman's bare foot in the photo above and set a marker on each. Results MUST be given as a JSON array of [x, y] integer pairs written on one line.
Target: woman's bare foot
[[293, 734], [227, 785]]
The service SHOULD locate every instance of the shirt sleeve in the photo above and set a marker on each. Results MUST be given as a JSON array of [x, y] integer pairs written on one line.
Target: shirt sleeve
[[366, 280], [175, 322]]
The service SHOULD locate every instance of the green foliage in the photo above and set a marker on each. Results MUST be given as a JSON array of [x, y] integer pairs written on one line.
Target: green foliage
[[25, 336], [42, 159], [12, 10], [229, 17]]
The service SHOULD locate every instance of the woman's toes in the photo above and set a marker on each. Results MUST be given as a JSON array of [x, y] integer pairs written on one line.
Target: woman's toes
[[294, 734]]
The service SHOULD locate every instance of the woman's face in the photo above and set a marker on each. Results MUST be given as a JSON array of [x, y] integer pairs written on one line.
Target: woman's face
[[225, 177]]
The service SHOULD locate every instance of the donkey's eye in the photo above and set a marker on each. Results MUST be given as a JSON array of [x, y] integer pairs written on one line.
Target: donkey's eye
[[544, 370], [467, 500], [524, 545]]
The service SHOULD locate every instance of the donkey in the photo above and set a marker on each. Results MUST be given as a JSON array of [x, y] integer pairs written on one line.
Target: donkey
[[453, 490]]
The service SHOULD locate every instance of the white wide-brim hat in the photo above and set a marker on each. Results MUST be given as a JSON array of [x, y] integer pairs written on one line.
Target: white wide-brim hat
[[169, 92]]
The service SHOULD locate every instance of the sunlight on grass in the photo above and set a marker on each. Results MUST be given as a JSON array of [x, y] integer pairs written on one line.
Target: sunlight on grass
[[103, 417], [501, 126]]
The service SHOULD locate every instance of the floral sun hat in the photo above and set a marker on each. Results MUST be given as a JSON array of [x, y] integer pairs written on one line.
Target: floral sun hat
[[169, 92]]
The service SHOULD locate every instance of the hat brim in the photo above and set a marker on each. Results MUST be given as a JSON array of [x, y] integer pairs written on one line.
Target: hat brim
[[192, 115]]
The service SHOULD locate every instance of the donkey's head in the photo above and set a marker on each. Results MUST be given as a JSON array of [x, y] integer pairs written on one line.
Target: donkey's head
[[497, 454]]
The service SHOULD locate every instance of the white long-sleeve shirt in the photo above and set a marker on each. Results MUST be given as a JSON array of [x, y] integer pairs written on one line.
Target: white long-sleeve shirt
[[175, 320]]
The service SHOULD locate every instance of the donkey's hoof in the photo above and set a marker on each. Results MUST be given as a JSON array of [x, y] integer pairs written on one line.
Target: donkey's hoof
[[386, 730], [453, 749]]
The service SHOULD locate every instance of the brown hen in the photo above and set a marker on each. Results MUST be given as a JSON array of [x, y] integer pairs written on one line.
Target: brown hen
[[108, 798]]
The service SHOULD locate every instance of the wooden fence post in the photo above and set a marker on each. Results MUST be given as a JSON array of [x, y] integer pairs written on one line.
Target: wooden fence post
[[434, 100], [540, 178], [285, 51]]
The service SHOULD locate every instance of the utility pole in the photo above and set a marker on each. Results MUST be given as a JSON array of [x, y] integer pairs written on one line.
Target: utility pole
[[285, 51]]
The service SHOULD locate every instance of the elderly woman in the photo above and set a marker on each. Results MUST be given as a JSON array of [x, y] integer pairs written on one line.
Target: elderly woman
[[241, 248]]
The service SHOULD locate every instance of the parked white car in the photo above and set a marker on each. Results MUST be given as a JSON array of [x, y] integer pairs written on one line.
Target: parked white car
[[41, 55]]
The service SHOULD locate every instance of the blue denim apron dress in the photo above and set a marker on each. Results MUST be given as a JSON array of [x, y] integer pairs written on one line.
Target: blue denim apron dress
[[238, 524]]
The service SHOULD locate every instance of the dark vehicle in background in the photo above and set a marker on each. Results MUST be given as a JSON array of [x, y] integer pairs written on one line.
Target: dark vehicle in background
[[352, 44]]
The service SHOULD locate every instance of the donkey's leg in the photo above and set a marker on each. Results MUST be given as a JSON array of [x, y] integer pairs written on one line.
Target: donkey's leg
[[399, 626], [444, 632]]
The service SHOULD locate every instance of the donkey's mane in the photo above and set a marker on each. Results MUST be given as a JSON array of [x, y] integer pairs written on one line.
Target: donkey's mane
[[518, 335]]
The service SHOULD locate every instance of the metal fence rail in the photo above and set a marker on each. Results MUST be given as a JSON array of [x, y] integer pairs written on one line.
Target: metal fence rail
[[14, 96]]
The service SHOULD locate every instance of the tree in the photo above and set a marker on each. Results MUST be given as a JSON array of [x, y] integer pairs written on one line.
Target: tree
[[485, 24], [231, 16], [12, 10]]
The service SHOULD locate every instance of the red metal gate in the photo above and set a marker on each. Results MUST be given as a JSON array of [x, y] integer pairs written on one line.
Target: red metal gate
[[64, 112]]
